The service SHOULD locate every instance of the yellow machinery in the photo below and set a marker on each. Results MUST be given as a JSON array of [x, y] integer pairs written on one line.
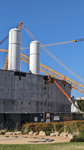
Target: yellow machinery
[[74, 85], [54, 74]]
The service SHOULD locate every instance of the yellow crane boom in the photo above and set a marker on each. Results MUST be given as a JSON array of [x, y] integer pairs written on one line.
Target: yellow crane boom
[[6, 63], [74, 85]]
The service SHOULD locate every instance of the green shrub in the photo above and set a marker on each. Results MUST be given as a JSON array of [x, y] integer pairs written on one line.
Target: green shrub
[[59, 126], [25, 131], [61, 130], [3, 131], [82, 134], [48, 132], [78, 138], [68, 126]]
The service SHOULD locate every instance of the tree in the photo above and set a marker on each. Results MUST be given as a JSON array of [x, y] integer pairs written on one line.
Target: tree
[[81, 104]]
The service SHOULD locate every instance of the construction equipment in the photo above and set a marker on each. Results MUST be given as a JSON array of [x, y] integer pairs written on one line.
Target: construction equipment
[[20, 24], [54, 74], [78, 40], [4, 39], [75, 85], [51, 55], [67, 96], [52, 80], [6, 63]]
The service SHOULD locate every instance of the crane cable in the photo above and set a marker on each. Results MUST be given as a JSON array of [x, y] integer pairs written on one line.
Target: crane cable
[[50, 54], [6, 36], [78, 40], [50, 44]]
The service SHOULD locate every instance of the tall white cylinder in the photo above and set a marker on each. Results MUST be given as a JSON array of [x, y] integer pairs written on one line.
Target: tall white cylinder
[[14, 49], [35, 57]]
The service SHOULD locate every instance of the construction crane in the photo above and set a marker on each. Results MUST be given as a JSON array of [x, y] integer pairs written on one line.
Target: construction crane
[[54, 74], [78, 40], [78, 87], [6, 61], [52, 56], [52, 80], [75, 85]]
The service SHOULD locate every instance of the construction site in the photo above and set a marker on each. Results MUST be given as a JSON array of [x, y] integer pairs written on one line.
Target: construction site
[[29, 97]]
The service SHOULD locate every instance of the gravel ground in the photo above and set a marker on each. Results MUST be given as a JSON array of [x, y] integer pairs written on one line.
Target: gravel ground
[[26, 139]]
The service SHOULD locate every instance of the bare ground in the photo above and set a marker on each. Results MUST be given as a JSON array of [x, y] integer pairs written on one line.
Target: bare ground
[[25, 139]]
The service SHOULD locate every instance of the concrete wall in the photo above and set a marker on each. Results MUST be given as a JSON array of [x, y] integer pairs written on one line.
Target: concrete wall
[[29, 93]]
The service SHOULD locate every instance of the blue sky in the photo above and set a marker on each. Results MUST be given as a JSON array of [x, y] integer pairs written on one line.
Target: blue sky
[[50, 21]]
